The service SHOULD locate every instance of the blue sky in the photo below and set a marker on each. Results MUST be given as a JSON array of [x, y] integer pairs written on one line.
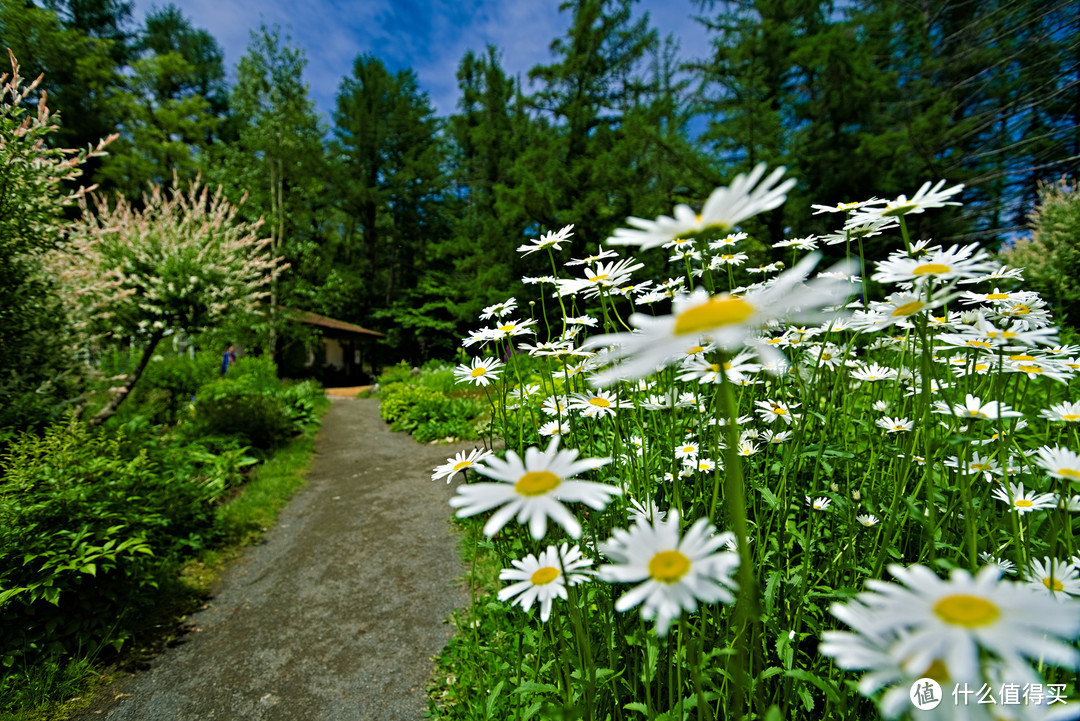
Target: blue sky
[[430, 36]]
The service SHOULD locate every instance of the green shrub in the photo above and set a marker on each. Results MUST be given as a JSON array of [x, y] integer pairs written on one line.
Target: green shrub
[[398, 399], [250, 402], [1051, 254], [85, 531], [429, 414], [399, 373], [173, 380]]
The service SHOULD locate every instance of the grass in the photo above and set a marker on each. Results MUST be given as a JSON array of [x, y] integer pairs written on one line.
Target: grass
[[56, 689]]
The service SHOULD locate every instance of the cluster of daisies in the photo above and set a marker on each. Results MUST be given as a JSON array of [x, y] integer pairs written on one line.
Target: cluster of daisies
[[936, 356]]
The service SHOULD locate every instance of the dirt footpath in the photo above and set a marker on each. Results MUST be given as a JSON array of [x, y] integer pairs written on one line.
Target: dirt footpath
[[337, 614]]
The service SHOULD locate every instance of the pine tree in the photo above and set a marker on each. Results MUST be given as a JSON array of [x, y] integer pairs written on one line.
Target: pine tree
[[389, 182], [170, 108]]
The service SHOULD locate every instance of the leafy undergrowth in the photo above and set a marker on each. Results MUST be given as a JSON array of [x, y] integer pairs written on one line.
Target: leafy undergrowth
[[55, 687]]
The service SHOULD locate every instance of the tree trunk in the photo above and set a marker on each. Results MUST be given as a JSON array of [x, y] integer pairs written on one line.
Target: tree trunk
[[125, 390]]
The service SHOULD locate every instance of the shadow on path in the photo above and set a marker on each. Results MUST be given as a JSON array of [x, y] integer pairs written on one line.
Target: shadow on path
[[337, 614]]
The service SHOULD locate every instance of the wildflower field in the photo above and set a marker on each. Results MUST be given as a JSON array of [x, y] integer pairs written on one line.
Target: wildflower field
[[809, 497]]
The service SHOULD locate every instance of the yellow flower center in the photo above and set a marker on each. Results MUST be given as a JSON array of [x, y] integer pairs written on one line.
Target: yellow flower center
[[826, 356], [727, 256], [908, 308], [976, 414], [1023, 503], [1071, 417], [694, 349], [931, 269], [716, 312], [779, 411], [668, 566], [978, 344], [463, 464], [981, 466], [544, 576], [1070, 472], [1021, 357], [981, 367], [478, 371], [1053, 584], [598, 278], [715, 367], [936, 670], [965, 610], [537, 483], [1031, 369], [997, 296], [600, 402], [507, 328], [1020, 309], [900, 209]]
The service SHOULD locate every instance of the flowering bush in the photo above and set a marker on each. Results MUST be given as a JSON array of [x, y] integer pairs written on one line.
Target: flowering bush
[[180, 262], [35, 188], [743, 453]]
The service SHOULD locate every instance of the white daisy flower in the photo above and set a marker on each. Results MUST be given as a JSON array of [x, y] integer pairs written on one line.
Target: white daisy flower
[[556, 406], [818, 504], [597, 404], [973, 407], [602, 255], [481, 372], [747, 448], [548, 240], [1060, 463], [646, 512], [725, 208], [736, 259], [844, 207], [499, 309], [872, 372], [956, 262], [1067, 412], [770, 410], [925, 198], [727, 320], [687, 449], [545, 578], [1004, 565], [459, 463], [895, 425], [517, 396], [673, 573], [534, 489], [867, 519], [551, 428], [1000, 274], [603, 277], [727, 241], [776, 437], [954, 621], [1054, 577], [1024, 502]]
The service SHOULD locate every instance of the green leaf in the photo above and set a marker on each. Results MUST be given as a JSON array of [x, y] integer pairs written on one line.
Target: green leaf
[[493, 697], [534, 687]]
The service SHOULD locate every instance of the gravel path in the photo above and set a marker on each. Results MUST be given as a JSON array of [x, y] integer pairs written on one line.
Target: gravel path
[[338, 613]]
